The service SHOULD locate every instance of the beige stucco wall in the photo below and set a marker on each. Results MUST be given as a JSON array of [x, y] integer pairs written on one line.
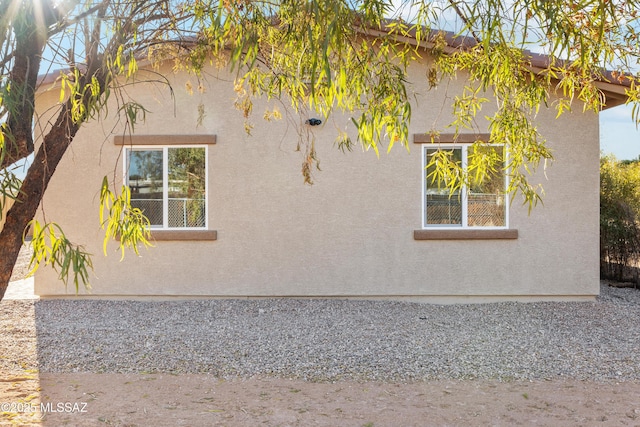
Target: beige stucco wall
[[7, 205], [348, 235]]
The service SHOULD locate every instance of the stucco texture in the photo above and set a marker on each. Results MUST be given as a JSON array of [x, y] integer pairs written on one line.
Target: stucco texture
[[348, 235]]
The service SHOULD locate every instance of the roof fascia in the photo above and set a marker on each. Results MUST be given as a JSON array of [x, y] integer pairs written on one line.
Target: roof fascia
[[614, 89]]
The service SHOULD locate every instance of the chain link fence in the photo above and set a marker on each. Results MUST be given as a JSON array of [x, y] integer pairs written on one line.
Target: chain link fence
[[182, 212], [486, 210], [483, 210]]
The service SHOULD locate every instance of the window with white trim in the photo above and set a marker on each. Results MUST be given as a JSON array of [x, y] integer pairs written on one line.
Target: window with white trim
[[169, 185], [478, 204]]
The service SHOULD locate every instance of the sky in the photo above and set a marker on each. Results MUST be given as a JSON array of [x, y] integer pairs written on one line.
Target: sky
[[618, 133]]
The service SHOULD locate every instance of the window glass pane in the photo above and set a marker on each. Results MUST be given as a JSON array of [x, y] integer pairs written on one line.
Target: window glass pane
[[441, 207], [187, 187], [144, 178], [486, 205]]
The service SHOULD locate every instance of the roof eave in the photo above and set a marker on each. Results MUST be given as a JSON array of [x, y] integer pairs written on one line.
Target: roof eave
[[613, 89]]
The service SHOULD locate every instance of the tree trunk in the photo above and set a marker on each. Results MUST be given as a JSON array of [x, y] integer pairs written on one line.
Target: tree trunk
[[30, 42], [54, 146]]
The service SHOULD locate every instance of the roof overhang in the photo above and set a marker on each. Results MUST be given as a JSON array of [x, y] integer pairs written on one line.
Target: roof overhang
[[614, 89]]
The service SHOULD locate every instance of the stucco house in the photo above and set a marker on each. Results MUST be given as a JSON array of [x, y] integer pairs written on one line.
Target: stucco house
[[368, 228]]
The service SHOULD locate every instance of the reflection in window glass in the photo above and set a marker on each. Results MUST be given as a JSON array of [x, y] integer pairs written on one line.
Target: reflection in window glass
[[146, 183], [441, 207], [481, 203], [486, 205], [186, 187], [169, 185]]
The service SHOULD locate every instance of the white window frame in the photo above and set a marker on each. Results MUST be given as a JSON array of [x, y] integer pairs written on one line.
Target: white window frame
[[464, 198], [165, 180]]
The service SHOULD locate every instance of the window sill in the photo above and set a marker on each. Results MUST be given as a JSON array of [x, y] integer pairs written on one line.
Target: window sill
[[500, 234], [163, 235]]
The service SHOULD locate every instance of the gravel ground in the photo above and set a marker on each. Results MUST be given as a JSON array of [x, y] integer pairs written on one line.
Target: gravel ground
[[329, 340], [21, 269]]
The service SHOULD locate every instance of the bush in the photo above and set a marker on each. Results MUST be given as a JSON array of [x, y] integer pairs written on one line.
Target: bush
[[619, 214]]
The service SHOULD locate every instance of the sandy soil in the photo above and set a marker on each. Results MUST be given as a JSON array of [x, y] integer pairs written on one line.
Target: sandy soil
[[202, 400]]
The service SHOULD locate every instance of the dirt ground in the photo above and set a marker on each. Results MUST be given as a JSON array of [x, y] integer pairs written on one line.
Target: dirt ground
[[200, 400]]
